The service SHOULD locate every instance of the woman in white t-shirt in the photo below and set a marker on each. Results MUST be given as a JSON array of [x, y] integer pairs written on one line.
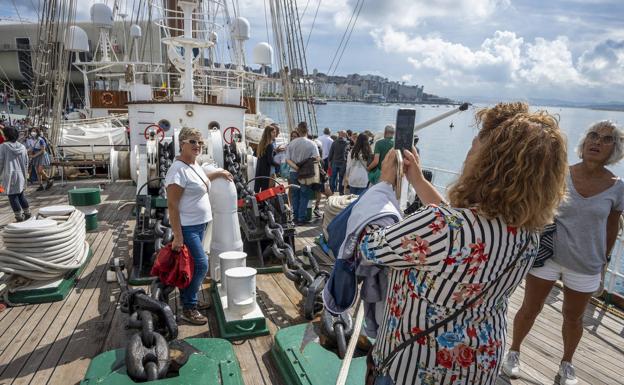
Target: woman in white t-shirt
[[189, 213]]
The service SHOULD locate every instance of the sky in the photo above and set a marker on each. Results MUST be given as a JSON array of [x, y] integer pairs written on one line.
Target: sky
[[569, 50]]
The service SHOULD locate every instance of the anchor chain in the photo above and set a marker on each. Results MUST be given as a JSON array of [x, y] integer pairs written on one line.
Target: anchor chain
[[147, 353], [309, 282]]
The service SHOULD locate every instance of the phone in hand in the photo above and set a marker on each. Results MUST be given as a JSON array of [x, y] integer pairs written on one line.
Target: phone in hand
[[404, 133]]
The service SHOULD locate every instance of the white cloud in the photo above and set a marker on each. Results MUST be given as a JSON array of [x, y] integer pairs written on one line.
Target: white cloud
[[605, 62], [505, 60], [408, 14], [407, 78]]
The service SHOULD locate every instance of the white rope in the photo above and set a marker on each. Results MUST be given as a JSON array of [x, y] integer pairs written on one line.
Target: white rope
[[44, 254], [346, 362]]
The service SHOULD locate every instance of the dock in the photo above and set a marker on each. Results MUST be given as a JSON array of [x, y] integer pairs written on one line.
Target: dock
[[53, 343]]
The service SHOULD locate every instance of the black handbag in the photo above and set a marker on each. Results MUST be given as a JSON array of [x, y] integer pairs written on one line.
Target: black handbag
[[546, 246]]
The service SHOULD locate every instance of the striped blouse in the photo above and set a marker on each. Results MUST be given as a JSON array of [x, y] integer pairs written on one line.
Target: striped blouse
[[440, 257]]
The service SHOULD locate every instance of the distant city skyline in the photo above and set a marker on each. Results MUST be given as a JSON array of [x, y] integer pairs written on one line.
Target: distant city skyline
[[570, 50]]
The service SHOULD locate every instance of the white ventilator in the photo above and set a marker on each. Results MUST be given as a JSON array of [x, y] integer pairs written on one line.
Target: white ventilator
[[47, 247], [228, 260], [225, 234], [241, 290]]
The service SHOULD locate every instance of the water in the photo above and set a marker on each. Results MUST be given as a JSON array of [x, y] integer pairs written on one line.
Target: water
[[444, 147]]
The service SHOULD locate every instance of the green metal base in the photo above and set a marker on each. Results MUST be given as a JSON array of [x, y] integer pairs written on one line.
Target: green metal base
[[215, 364], [136, 280], [91, 222], [50, 294], [269, 269], [315, 365], [236, 330], [88, 196]]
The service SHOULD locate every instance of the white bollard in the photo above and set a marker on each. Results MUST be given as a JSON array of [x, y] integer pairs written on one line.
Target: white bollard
[[227, 261], [241, 290]]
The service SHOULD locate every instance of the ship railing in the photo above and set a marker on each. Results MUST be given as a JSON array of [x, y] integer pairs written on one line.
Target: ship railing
[[614, 277], [172, 21]]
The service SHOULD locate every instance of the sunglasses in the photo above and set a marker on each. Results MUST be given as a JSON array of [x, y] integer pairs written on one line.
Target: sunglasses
[[194, 142], [604, 139]]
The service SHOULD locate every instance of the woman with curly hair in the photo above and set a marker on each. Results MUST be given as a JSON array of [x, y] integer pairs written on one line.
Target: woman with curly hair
[[586, 229], [451, 267]]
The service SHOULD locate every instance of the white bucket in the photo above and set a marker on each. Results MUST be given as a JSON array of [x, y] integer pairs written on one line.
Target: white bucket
[[227, 261], [241, 290]]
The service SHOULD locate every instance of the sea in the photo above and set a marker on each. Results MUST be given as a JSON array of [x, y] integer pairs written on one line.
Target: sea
[[444, 144]]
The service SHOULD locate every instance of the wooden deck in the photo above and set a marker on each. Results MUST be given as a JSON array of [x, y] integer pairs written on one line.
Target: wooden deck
[[54, 343]]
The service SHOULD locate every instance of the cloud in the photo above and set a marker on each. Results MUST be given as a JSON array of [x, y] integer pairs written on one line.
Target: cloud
[[401, 13], [506, 60], [407, 78], [605, 62]]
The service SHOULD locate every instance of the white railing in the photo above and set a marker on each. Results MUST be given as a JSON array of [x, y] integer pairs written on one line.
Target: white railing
[[442, 178]]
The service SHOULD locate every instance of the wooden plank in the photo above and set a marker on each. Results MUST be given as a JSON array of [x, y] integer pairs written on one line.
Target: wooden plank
[[85, 332], [65, 309]]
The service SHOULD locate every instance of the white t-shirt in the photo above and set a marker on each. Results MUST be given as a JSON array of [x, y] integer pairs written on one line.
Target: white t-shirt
[[194, 203], [326, 142]]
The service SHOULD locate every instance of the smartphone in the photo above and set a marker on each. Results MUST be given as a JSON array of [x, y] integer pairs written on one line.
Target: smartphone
[[404, 134]]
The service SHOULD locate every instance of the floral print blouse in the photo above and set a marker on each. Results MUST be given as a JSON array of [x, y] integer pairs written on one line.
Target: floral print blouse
[[438, 258]]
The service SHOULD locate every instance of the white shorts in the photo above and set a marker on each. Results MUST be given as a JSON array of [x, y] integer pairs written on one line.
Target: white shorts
[[552, 271]]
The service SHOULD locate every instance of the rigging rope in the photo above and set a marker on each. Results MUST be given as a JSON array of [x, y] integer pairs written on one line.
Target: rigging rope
[[342, 39], [348, 38]]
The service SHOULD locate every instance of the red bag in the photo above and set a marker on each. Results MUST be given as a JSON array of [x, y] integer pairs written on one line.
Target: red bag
[[174, 268]]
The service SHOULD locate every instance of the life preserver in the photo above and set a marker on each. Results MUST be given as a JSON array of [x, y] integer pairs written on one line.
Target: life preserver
[[107, 98], [157, 128], [232, 133]]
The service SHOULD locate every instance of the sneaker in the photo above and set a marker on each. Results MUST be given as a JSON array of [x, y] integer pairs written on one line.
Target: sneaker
[[19, 217], [193, 316], [566, 373], [49, 183], [27, 215], [511, 364], [40, 188], [201, 305]]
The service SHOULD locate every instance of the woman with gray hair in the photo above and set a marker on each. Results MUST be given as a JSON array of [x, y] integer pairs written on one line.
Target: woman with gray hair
[[586, 229], [190, 214]]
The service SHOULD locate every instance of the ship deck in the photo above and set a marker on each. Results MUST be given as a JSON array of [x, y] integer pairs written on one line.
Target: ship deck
[[53, 343]]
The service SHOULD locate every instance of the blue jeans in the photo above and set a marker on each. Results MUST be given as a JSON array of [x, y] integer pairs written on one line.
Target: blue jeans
[[300, 198], [18, 202], [357, 190], [338, 170], [193, 237]]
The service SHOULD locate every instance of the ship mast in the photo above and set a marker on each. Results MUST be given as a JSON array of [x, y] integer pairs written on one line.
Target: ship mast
[[292, 64], [51, 65]]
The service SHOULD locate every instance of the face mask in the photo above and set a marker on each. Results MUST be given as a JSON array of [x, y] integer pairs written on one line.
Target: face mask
[[33, 134]]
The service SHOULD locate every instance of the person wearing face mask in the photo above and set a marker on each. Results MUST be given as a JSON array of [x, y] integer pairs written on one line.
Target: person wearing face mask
[[39, 158]]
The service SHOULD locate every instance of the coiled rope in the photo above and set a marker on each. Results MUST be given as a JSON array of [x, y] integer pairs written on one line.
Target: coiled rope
[[45, 253]]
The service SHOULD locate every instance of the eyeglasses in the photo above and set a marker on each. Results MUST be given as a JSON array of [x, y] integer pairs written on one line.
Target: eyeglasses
[[604, 139], [194, 142]]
